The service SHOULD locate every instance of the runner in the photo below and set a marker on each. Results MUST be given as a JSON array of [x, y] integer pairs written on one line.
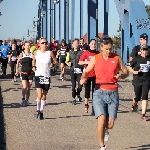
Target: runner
[[42, 75], [72, 60], [140, 67], [26, 58], [4, 51], [84, 60], [105, 97], [13, 56], [62, 52], [137, 51], [83, 46], [53, 47]]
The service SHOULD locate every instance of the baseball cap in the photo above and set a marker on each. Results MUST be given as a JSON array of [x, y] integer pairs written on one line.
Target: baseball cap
[[143, 47], [144, 36]]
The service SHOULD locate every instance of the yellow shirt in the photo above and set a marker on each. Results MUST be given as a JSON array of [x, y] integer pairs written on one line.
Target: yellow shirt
[[68, 57]]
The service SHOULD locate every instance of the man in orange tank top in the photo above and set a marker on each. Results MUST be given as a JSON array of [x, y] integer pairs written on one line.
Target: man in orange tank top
[[105, 97]]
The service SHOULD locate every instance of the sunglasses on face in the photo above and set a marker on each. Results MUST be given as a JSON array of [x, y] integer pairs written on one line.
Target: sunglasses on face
[[43, 42], [145, 49]]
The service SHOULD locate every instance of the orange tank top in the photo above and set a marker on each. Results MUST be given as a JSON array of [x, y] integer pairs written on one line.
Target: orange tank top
[[105, 70]]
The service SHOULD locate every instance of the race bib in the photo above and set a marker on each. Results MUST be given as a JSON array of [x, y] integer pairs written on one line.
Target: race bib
[[77, 70], [54, 49], [13, 58], [44, 80], [144, 67]]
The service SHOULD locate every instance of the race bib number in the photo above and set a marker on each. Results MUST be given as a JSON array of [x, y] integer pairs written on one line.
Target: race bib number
[[144, 67], [44, 80], [13, 58], [77, 70], [54, 49]]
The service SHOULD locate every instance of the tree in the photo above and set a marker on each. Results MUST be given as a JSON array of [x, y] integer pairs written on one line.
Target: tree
[[117, 41], [148, 10]]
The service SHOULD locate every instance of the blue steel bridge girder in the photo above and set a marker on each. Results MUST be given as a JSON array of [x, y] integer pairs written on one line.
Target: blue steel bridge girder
[[44, 19], [91, 19]]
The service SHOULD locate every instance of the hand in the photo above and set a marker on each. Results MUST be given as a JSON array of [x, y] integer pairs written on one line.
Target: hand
[[16, 74], [117, 76], [135, 72], [82, 81], [69, 64], [34, 69]]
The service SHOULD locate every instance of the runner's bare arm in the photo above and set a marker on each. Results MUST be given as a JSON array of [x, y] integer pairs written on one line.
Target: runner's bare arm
[[53, 57], [89, 68], [18, 61], [33, 62], [123, 68]]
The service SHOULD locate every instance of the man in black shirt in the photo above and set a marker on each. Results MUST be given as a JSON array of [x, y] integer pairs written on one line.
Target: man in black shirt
[[136, 49], [83, 46]]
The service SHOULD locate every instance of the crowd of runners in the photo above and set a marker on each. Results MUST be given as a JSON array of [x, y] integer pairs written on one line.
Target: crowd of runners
[[96, 71]]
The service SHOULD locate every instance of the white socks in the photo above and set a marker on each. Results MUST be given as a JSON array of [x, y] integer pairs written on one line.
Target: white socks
[[38, 104], [42, 105]]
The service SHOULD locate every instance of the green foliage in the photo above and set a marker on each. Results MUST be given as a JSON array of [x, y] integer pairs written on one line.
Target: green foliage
[[117, 41], [148, 10]]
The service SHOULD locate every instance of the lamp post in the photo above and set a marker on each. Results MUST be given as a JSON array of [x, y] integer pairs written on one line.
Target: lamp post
[[1, 1]]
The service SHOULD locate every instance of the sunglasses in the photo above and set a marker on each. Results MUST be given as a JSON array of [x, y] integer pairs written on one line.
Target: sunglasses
[[106, 40], [145, 49], [43, 42]]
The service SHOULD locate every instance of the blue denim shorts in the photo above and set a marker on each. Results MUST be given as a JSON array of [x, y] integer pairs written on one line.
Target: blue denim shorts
[[105, 103]]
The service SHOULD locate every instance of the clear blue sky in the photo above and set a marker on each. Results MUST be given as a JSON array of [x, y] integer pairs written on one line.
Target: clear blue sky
[[17, 17]]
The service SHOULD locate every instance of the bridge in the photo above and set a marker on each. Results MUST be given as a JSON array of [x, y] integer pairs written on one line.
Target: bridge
[[133, 23], [61, 14]]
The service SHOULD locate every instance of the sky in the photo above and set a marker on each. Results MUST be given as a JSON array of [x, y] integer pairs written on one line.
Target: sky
[[18, 15]]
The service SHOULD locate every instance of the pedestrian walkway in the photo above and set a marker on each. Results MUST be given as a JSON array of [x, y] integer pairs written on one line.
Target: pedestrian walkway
[[66, 127]]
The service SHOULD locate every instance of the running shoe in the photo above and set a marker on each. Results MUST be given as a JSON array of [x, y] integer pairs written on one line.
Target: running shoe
[[27, 103], [12, 80], [106, 138], [15, 80], [134, 108], [79, 99], [74, 102], [144, 118], [23, 103], [37, 113], [86, 107], [103, 148], [41, 116]]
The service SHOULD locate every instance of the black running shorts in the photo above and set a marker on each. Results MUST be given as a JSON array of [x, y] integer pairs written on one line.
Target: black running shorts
[[40, 83], [62, 59], [27, 77]]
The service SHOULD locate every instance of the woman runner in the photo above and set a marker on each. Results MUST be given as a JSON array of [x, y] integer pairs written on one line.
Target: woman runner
[[42, 75], [140, 67], [26, 58], [13, 56]]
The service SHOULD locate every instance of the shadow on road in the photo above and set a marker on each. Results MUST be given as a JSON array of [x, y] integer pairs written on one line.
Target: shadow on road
[[2, 129], [68, 117], [142, 147]]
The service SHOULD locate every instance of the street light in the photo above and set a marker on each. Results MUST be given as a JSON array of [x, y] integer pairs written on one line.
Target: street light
[[55, 2], [42, 15], [1, 1], [0, 13], [28, 33]]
